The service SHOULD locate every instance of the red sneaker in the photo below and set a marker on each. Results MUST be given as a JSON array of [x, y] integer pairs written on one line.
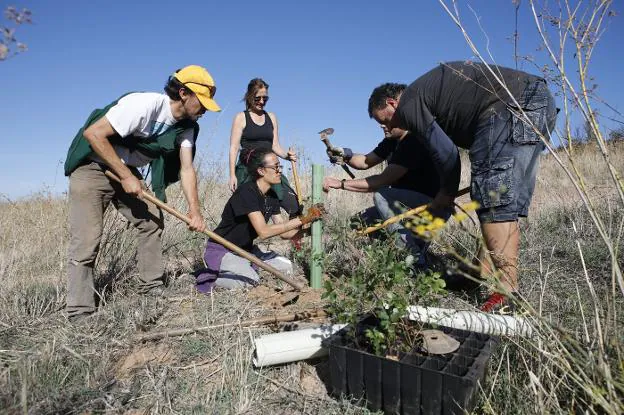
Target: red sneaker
[[498, 304]]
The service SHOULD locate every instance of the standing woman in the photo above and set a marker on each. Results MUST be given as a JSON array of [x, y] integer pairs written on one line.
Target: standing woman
[[244, 218], [255, 128]]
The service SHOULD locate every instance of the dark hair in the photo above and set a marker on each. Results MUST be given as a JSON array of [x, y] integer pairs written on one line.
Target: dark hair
[[253, 159], [377, 99], [253, 87], [173, 86]]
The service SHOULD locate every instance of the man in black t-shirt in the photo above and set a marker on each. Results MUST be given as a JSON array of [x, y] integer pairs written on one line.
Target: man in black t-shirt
[[501, 115], [409, 180]]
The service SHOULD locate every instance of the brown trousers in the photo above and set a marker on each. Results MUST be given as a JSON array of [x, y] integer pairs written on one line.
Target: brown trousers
[[90, 193]]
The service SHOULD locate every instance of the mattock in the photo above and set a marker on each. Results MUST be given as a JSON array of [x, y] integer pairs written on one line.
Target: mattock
[[324, 134], [216, 237]]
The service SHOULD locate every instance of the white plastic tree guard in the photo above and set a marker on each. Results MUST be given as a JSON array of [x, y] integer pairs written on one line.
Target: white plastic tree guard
[[292, 346], [493, 324]]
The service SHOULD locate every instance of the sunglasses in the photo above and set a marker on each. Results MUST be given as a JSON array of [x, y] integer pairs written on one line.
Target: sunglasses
[[265, 98], [276, 167]]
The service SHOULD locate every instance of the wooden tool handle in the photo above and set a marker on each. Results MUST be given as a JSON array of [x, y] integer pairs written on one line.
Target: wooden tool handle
[[343, 164], [229, 245], [293, 164], [327, 143], [404, 215], [305, 315]]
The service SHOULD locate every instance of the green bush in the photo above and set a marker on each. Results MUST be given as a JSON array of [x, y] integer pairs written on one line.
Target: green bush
[[383, 285]]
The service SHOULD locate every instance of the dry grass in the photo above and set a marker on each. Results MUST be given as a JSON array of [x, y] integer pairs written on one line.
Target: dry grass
[[51, 366]]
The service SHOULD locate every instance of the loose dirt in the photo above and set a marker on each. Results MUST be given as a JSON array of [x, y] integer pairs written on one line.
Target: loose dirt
[[286, 300], [310, 382], [266, 296], [157, 353]]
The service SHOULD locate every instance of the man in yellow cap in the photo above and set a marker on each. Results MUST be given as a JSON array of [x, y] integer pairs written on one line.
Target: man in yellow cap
[[138, 129]]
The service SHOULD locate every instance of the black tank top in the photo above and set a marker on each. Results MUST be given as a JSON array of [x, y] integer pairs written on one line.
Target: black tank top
[[257, 136]]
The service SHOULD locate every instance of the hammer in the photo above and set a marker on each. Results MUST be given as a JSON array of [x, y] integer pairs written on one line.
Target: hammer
[[327, 132]]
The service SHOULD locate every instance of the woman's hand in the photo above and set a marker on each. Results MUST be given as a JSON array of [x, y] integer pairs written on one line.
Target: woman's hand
[[314, 213], [233, 184], [291, 155]]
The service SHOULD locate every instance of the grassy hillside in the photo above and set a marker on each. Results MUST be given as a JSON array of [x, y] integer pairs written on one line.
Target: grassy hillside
[[48, 365]]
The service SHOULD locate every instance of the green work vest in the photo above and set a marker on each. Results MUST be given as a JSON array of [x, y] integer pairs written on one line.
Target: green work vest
[[165, 168]]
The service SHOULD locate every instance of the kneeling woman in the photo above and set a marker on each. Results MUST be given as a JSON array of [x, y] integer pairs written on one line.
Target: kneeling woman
[[244, 218]]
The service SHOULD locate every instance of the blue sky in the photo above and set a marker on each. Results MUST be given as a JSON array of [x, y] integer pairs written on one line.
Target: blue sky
[[321, 59]]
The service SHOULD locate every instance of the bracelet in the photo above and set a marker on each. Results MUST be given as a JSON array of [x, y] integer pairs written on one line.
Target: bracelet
[[342, 182]]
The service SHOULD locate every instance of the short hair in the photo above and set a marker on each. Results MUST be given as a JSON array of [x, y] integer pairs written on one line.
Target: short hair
[[253, 159], [173, 86], [253, 87], [379, 95]]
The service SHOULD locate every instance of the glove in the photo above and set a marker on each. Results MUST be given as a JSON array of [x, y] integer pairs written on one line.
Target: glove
[[338, 155], [335, 155], [314, 213]]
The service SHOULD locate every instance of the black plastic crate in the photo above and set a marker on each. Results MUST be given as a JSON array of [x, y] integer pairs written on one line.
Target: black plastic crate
[[414, 384]]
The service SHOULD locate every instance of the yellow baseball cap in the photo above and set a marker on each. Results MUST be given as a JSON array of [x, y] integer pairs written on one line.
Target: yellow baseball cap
[[198, 80]]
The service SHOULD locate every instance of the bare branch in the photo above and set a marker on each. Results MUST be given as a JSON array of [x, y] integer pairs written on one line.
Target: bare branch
[[9, 45]]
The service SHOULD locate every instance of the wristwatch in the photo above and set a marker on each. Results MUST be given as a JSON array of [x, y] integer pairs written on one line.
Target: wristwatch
[[342, 183]]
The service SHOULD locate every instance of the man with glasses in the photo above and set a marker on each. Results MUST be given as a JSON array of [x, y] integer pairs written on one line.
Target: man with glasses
[[409, 180], [138, 129]]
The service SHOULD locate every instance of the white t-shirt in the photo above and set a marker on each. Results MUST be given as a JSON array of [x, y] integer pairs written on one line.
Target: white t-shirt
[[143, 114]]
